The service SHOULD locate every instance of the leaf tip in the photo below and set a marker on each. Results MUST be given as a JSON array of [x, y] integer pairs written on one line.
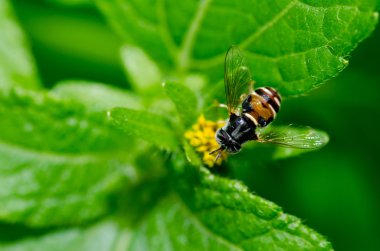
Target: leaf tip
[[108, 114], [343, 61], [375, 15], [141, 69]]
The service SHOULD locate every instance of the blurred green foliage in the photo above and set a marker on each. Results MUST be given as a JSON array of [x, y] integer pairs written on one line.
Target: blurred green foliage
[[335, 190]]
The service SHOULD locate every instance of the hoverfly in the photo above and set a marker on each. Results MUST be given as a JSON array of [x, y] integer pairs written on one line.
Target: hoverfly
[[258, 109]]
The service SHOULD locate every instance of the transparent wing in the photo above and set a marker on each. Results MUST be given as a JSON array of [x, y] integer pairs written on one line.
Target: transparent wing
[[294, 137], [237, 77]]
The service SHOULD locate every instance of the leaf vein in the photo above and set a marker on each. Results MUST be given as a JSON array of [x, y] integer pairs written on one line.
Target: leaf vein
[[190, 36], [268, 25], [165, 31], [205, 229]]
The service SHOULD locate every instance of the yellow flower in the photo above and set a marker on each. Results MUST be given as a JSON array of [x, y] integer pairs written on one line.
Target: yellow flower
[[202, 137]]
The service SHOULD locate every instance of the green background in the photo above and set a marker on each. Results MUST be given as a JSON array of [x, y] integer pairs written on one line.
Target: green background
[[335, 190]]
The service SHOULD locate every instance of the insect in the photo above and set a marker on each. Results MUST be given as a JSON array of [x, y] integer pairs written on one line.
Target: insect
[[258, 109]]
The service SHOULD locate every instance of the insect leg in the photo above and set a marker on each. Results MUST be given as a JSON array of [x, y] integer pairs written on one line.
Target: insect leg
[[216, 104], [219, 154], [251, 85], [243, 97], [214, 151]]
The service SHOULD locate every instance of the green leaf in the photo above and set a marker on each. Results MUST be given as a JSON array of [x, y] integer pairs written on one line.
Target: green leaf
[[184, 100], [16, 64], [142, 72], [171, 226], [70, 3], [96, 96], [59, 163], [102, 236], [151, 127], [191, 155], [292, 45], [219, 214]]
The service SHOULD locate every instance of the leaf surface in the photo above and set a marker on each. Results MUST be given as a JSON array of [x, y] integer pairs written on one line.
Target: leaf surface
[[16, 63], [59, 163], [292, 45], [184, 100], [220, 214], [101, 236], [151, 127], [96, 96]]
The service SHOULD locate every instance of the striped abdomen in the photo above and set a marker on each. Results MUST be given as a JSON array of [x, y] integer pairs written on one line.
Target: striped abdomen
[[261, 106]]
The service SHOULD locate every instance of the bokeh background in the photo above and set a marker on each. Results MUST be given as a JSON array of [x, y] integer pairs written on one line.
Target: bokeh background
[[335, 191]]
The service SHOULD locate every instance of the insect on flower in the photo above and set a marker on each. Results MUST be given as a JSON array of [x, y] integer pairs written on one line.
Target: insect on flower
[[201, 137], [258, 109]]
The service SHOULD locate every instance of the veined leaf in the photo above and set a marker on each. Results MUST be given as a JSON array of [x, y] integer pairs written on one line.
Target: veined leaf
[[219, 214], [16, 64], [148, 126], [58, 162], [171, 226], [96, 96], [292, 45], [184, 100], [102, 236]]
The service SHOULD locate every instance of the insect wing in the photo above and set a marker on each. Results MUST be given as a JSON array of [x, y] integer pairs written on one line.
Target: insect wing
[[294, 137], [236, 78]]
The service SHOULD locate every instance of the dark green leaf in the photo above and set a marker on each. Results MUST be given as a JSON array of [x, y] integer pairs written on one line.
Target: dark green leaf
[[16, 64], [292, 45], [185, 102], [151, 127], [70, 3], [171, 226], [219, 214]]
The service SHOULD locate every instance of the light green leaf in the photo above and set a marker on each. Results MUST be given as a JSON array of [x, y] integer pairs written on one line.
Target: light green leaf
[[184, 100], [96, 96], [58, 162], [102, 236], [142, 72], [219, 214], [191, 155], [16, 64], [151, 127], [292, 45]]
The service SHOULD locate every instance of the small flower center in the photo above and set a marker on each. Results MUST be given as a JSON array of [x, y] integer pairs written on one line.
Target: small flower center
[[202, 137]]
